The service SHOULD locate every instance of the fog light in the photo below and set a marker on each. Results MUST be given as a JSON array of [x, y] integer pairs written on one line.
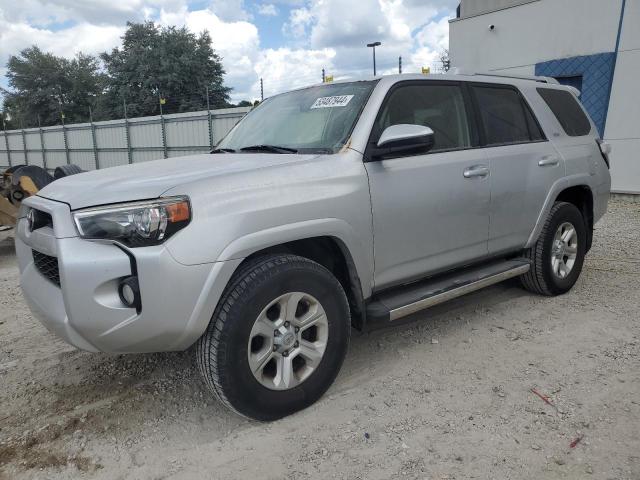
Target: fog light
[[129, 292]]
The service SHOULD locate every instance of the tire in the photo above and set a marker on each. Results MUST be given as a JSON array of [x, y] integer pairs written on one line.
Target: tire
[[39, 176], [545, 276], [14, 168], [66, 170], [253, 298]]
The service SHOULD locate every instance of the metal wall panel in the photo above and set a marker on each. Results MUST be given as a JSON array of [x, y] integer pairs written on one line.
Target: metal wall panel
[[15, 140], [79, 137], [145, 134], [146, 155], [83, 159], [35, 158], [111, 135], [55, 159], [112, 159], [32, 139], [185, 134], [182, 133], [53, 137]]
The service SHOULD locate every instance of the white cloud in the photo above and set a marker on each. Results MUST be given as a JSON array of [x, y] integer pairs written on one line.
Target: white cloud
[[82, 37], [328, 34], [431, 40], [284, 68], [43, 13], [267, 9], [229, 10], [328, 24], [299, 20]]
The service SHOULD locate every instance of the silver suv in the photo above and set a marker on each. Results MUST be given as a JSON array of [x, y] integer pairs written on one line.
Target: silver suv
[[343, 205]]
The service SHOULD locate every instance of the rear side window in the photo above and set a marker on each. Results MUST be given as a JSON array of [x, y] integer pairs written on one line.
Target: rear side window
[[566, 109], [505, 116]]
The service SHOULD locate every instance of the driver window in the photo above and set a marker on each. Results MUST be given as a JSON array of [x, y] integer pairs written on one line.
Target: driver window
[[439, 107]]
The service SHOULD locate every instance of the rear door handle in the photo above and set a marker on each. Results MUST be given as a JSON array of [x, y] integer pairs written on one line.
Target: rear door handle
[[548, 161], [476, 171]]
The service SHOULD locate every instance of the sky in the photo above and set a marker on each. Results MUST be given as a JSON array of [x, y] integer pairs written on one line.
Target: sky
[[286, 42]]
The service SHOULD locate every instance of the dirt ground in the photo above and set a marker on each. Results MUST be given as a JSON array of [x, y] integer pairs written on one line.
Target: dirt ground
[[447, 396]]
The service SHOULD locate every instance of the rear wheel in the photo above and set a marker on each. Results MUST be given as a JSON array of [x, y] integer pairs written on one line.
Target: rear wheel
[[558, 255], [277, 339]]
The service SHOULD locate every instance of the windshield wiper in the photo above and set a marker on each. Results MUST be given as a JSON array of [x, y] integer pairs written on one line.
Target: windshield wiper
[[268, 148], [223, 150]]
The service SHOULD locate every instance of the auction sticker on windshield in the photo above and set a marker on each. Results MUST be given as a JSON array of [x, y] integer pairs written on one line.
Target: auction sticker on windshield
[[335, 101]]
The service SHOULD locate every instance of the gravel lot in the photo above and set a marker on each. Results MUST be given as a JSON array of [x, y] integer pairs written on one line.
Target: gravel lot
[[448, 396]]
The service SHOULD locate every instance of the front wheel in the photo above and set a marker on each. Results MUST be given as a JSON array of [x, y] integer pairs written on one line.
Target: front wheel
[[558, 255], [277, 338]]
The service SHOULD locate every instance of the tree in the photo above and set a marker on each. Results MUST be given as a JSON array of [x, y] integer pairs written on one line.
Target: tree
[[46, 87], [169, 63]]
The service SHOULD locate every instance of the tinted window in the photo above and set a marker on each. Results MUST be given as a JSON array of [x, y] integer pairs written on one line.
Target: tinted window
[[535, 132], [566, 109], [505, 117], [439, 107]]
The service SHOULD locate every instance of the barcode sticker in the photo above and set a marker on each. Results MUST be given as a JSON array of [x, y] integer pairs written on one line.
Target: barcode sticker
[[335, 101]]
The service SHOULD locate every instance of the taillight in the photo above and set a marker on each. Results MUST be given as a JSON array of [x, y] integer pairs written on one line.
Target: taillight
[[605, 150]]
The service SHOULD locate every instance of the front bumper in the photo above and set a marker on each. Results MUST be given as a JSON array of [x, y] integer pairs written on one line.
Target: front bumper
[[85, 310]]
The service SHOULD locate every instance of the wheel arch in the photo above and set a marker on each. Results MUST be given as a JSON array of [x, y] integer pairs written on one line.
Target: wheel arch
[[333, 254], [575, 190], [331, 242]]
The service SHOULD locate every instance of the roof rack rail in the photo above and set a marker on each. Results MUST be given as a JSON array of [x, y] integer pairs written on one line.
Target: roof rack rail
[[534, 78]]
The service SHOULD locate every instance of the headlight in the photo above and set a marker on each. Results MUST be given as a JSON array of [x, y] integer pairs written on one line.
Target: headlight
[[135, 224]]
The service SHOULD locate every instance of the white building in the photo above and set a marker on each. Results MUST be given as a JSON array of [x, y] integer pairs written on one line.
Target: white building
[[593, 45]]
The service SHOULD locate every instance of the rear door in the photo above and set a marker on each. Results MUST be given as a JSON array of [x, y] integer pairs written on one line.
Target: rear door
[[428, 214], [524, 164]]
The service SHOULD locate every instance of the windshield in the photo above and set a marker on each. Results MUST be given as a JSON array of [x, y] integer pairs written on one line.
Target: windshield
[[313, 120]]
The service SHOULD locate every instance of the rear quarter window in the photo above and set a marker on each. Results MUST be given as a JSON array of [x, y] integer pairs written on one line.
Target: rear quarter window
[[567, 110]]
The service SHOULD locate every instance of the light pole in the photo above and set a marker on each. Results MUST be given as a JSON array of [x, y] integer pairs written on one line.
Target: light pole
[[374, 45]]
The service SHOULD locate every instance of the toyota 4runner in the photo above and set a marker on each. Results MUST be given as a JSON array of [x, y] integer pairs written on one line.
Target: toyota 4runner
[[342, 205]]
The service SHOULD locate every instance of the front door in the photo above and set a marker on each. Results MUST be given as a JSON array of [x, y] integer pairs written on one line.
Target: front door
[[430, 211]]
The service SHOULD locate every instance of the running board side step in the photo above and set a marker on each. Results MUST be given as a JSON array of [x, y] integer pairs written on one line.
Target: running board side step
[[400, 302]]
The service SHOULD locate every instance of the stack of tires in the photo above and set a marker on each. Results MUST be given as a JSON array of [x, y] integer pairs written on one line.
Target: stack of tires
[[22, 181]]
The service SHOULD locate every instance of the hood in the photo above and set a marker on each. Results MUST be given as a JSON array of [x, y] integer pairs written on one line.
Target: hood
[[146, 180]]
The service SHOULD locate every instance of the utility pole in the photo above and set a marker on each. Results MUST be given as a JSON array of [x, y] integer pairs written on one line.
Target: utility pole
[[373, 46], [44, 150], [127, 134], [323, 75], [96, 161], [209, 126], [162, 127], [261, 90], [399, 64], [6, 140]]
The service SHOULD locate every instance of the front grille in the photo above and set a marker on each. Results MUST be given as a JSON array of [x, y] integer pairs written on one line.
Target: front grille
[[47, 266]]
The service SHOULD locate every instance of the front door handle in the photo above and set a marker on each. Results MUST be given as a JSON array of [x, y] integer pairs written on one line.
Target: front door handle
[[476, 171], [549, 161]]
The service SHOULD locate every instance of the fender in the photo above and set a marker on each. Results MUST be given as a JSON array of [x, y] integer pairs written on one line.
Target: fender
[[582, 179], [325, 227]]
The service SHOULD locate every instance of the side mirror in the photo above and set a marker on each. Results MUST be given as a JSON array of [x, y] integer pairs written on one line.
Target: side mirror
[[404, 139]]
